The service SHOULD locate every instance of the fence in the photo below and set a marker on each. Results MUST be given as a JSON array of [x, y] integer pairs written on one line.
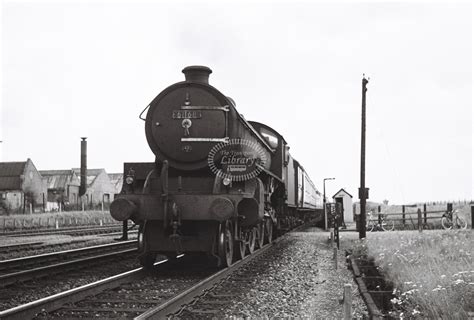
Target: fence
[[445, 202], [413, 217], [45, 221], [30, 208]]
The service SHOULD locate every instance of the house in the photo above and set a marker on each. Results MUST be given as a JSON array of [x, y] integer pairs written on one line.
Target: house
[[62, 186], [21, 187], [117, 181], [99, 187], [345, 198]]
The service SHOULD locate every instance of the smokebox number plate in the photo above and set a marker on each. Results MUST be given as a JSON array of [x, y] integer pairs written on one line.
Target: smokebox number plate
[[186, 114]]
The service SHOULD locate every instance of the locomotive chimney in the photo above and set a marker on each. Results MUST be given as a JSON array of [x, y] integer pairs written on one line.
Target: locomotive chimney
[[197, 74], [83, 186]]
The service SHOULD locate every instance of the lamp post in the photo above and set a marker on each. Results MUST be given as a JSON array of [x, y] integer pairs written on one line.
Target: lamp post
[[324, 202]]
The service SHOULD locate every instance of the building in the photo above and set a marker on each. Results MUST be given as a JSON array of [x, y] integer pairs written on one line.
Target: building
[[99, 188], [63, 188], [117, 181], [21, 187], [345, 198]]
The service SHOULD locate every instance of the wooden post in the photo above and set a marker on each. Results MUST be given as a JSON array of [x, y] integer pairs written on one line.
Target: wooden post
[[347, 301], [379, 217], [424, 213], [335, 256], [403, 216], [472, 216], [420, 227], [44, 204]]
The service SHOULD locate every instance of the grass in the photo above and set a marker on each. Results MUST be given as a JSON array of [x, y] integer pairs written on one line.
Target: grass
[[433, 271]]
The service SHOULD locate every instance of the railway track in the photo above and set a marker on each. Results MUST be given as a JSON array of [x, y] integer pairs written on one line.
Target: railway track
[[25, 279], [167, 290], [135, 293], [74, 231], [32, 248], [48, 260], [20, 246]]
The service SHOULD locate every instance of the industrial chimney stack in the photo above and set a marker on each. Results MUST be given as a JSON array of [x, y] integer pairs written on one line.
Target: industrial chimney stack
[[83, 186]]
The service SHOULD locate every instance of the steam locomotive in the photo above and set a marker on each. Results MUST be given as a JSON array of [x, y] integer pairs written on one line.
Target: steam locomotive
[[219, 185]]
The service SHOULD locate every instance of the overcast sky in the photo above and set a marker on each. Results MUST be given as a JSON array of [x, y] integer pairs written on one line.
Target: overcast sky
[[72, 69]]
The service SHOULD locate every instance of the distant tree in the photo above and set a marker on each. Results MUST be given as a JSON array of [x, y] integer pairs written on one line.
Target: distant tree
[[385, 202]]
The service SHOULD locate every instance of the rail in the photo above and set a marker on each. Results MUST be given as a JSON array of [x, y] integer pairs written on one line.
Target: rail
[[44, 271], [29, 310], [61, 255]]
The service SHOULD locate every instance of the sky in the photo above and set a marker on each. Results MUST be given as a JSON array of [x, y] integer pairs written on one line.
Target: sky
[[80, 68]]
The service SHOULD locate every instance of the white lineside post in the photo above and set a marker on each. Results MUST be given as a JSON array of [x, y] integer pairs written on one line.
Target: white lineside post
[[347, 301], [31, 208]]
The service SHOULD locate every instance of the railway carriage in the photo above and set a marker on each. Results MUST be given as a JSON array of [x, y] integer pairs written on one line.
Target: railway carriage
[[219, 185]]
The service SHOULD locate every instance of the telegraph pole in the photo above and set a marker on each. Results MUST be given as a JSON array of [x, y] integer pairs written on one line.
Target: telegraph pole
[[363, 192], [324, 202]]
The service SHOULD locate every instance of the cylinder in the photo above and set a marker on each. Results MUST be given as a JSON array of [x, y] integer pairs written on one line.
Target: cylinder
[[221, 209], [122, 209], [249, 209]]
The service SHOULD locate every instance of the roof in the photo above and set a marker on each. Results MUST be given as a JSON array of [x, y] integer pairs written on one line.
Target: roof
[[55, 172], [12, 169], [91, 174], [342, 191], [116, 179], [10, 175], [60, 179]]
